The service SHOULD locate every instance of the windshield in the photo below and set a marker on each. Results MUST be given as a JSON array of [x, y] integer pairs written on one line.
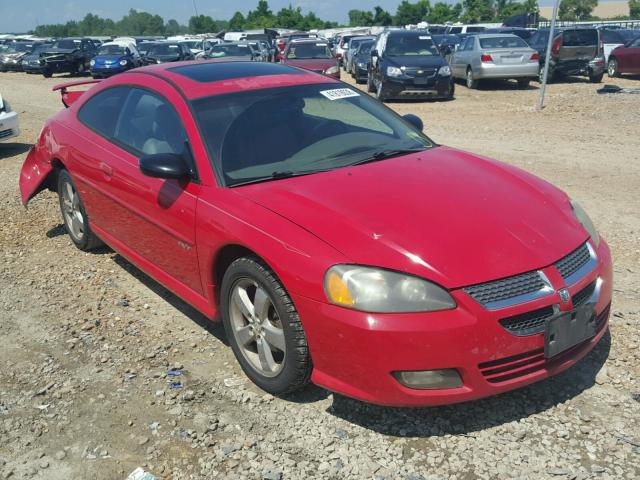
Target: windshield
[[252, 136], [112, 50], [628, 34], [410, 45], [365, 48], [163, 49], [230, 51], [193, 44], [308, 50], [67, 44], [508, 41], [18, 48]]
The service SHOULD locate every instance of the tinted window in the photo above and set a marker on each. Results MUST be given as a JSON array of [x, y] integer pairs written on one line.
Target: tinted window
[[610, 36], [410, 45], [580, 38], [635, 43], [475, 29], [112, 50], [308, 50], [164, 49], [539, 39], [252, 134], [502, 42], [230, 51], [100, 112], [149, 124], [67, 44], [455, 30]]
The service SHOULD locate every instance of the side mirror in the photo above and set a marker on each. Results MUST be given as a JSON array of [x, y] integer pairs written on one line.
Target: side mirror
[[374, 53], [164, 165], [414, 120]]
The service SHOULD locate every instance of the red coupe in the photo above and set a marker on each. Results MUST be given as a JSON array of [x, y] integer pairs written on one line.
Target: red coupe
[[335, 241], [625, 59]]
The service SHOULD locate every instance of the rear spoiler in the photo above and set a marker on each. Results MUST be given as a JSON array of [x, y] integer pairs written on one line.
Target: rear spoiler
[[68, 98]]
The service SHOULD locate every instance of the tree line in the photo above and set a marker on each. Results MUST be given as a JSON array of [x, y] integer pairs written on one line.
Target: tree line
[[138, 23]]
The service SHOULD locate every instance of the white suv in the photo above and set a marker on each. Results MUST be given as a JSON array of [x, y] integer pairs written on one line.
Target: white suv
[[8, 121]]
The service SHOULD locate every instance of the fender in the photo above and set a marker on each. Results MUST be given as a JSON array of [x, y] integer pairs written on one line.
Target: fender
[[34, 175]]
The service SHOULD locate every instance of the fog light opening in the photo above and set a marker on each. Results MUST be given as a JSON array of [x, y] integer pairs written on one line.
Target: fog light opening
[[430, 379]]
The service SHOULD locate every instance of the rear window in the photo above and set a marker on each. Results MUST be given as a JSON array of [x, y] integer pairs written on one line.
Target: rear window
[[503, 42], [309, 50], [580, 38]]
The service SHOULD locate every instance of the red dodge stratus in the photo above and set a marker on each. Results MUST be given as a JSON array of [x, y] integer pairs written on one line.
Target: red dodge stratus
[[335, 241]]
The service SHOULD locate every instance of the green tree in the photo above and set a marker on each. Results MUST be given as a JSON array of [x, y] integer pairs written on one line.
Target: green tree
[[261, 17], [575, 10], [237, 21], [381, 17], [140, 23], [412, 13], [290, 17], [634, 9], [202, 24], [172, 27], [443, 12], [360, 18], [476, 11]]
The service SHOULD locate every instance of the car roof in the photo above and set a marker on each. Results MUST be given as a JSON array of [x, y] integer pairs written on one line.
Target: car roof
[[213, 77], [495, 35]]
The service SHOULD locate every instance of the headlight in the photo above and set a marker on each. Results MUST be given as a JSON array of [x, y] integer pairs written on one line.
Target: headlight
[[332, 70], [586, 222], [444, 71], [372, 289], [92, 62], [362, 65], [123, 62], [158, 61], [394, 72]]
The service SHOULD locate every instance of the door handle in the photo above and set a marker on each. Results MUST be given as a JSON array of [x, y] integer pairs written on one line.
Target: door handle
[[106, 169]]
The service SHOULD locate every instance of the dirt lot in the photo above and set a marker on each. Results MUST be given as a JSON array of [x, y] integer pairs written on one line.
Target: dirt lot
[[86, 340]]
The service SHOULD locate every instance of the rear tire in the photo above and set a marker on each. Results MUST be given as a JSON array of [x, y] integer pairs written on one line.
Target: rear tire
[[596, 78], [523, 83], [74, 215], [612, 68], [263, 327], [550, 77], [472, 83]]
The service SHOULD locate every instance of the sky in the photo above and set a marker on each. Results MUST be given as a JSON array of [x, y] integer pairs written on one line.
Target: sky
[[24, 15]]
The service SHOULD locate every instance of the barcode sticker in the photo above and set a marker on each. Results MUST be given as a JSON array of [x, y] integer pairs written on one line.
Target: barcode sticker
[[339, 93]]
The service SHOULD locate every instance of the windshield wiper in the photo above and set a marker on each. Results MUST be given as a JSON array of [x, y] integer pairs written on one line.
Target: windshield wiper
[[278, 175], [384, 154]]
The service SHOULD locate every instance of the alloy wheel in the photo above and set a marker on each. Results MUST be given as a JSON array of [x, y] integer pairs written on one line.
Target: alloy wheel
[[72, 212], [612, 68], [257, 327]]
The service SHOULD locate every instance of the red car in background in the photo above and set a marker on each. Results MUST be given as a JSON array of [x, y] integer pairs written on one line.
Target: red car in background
[[312, 54], [281, 42], [336, 242], [625, 59]]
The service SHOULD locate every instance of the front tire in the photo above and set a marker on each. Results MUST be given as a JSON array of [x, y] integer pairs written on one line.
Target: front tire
[[263, 327], [381, 92], [74, 215], [612, 68], [47, 73]]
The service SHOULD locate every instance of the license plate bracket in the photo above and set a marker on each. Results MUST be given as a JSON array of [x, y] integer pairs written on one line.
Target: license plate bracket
[[568, 329]]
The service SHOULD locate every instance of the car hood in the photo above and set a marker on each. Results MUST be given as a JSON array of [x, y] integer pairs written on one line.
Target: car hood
[[11, 56], [417, 61], [443, 214], [312, 63]]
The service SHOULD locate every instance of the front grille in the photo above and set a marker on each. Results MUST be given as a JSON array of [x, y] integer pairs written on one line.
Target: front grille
[[515, 366], [529, 323], [419, 72], [573, 262], [6, 133], [581, 297], [491, 294]]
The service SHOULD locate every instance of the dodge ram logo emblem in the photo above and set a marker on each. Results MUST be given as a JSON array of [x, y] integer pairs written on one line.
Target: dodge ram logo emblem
[[564, 295]]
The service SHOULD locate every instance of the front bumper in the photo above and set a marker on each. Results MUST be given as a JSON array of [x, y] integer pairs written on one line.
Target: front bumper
[[355, 353], [490, 70], [8, 126], [108, 70], [32, 67], [430, 87], [65, 66], [11, 66]]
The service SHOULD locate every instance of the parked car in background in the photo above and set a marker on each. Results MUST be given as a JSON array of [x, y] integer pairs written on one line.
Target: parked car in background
[[200, 47], [11, 55], [362, 60], [68, 55], [237, 51], [341, 46], [574, 51], [347, 61], [407, 63], [523, 33], [614, 38], [281, 42], [311, 54], [31, 61], [113, 58], [335, 241], [446, 43], [164, 52], [455, 29], [625, 59], [8, 121], [263, 51], [494, 56]]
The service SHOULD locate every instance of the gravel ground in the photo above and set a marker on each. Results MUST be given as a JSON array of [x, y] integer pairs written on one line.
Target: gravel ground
[[87, 340]]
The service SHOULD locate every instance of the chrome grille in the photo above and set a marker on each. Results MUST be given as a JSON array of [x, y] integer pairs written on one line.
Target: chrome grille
[[573, 263], [6, 133], [511, 290], [529, 323], [581, 297]]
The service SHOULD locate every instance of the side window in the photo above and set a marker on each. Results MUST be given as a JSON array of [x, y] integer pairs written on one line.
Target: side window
[[100, 113], [609, 36], [150, 125], [468, 45], [635, 43]]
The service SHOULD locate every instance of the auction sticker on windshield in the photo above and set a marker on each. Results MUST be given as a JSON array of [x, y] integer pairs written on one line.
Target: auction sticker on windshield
[[338, 93]]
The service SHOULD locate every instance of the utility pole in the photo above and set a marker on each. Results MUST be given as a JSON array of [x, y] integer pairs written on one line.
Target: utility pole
[[547, 56], [195, 8]]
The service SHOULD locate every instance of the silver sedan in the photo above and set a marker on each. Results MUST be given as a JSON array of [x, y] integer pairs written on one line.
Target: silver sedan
[[495, 56]]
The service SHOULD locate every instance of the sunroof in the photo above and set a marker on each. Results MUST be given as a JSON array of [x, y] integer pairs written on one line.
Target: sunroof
[[215, 72]]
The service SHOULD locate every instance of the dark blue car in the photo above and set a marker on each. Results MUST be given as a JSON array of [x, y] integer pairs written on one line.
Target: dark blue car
[[114, 58]]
